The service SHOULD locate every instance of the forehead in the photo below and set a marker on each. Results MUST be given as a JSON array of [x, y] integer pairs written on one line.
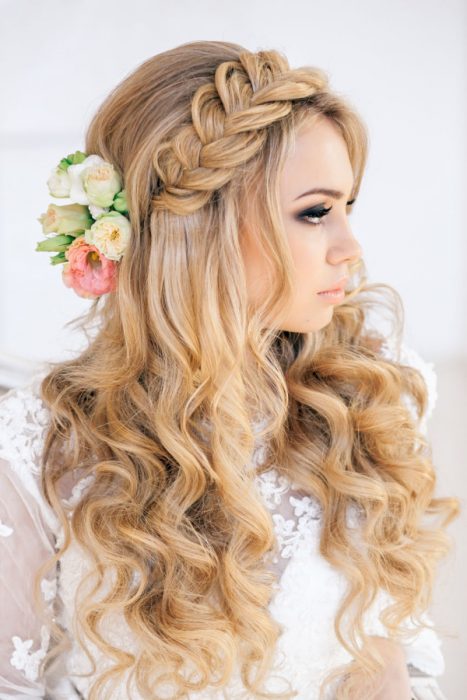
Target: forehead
[[319, 157]]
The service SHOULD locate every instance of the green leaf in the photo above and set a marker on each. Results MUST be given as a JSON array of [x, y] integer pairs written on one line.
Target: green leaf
[[71, 159], [57, 259], [64, 164], [76, 157], [56, 243]]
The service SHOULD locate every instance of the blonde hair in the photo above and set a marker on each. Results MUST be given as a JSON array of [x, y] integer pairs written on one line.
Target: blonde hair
[[159, 406]]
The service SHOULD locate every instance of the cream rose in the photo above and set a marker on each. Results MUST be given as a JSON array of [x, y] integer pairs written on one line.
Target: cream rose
[[94, 181], [110, 234], [101, 183]]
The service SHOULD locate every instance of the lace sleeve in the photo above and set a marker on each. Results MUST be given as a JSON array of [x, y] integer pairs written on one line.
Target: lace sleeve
[[27, 538]]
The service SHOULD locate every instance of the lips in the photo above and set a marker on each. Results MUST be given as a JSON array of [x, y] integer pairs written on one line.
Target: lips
[[339, 287]]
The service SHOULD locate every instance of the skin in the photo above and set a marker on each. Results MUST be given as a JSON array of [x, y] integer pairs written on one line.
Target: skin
[[322, 253], [394, 681]]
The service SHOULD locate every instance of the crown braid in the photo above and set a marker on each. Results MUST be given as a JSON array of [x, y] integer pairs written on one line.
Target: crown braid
[[229, 120]]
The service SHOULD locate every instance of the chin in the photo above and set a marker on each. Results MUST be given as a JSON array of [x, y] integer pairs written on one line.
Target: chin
[[321, 321], [316, 321]]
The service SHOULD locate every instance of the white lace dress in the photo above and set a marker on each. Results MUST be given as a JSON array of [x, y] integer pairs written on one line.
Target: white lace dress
[[305, 600]]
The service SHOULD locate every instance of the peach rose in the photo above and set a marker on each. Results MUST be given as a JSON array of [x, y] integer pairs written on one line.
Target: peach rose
[[87, 271]]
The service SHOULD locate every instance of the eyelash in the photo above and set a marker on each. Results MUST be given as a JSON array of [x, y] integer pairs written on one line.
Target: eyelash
[[317, 213]]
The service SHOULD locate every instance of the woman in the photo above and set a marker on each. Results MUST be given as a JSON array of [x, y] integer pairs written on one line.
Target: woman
[[226, 491]]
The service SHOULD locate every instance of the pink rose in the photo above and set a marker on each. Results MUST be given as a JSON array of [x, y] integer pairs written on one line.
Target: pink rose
[[87, 271]]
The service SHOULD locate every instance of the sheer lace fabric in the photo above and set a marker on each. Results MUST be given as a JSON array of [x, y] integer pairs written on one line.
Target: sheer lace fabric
[[307, 594]]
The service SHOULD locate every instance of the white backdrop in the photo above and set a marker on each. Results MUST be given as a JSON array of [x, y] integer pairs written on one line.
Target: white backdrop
[[402, 63]]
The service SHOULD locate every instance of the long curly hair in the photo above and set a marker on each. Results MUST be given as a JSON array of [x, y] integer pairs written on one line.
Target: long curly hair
[[160, 407]]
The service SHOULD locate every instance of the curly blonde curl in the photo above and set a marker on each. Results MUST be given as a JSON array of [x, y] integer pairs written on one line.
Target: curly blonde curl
[[158, 410]]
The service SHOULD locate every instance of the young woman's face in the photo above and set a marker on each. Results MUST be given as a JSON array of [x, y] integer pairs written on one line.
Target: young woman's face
[[322, 244]]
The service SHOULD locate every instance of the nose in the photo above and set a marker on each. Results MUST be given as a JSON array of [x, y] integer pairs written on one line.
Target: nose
[[344, 246]]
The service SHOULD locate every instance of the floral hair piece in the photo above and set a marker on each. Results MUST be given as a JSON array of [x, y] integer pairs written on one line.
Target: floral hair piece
[[90, 235]]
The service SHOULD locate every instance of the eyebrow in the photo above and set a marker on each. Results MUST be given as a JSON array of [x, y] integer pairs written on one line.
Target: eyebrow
[[335, 194]]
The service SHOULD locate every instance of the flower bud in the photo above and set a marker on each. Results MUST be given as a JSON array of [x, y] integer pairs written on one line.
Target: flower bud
[[65, 219], [57, 244], [120, 203], [97, 211]]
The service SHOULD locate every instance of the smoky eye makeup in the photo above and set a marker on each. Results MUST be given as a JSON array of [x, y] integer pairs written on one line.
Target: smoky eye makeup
[[316, 212]]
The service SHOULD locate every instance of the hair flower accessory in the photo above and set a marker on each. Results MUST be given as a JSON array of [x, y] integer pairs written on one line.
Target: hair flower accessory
[[90, 235]]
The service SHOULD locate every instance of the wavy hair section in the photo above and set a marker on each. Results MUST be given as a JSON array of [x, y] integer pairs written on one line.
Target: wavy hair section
[[158, 409]]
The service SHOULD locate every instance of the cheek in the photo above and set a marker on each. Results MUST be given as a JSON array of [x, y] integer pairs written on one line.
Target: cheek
[[307, 255]]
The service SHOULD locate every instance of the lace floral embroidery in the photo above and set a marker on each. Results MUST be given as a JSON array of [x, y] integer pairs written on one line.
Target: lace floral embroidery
[[272, 487], [77, 490], [49, 589], [291, 533], [23, 422], [25, 660]]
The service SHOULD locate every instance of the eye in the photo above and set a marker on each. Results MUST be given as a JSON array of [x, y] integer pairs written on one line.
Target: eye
[[314, 215]]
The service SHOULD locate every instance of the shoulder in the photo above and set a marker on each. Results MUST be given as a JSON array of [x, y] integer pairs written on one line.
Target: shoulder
[[403, 353], [24, 419]]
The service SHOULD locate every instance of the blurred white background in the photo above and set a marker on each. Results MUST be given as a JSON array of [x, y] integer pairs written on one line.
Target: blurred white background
[[402, 63]]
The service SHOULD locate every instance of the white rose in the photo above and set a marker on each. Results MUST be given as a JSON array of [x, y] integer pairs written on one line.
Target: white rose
[[110, 234], [59, 183], [94, 181], [75, 173]]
